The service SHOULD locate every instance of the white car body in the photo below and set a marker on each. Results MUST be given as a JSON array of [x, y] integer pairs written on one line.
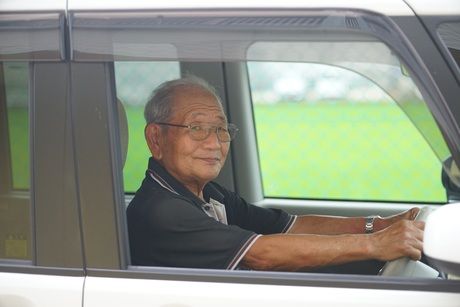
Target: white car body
[[102, 274]]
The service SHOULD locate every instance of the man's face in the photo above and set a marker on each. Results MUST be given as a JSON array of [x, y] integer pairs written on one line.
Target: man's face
[[194, 163]]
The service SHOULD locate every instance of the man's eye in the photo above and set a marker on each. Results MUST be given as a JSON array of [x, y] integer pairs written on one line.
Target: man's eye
[[196, 128]]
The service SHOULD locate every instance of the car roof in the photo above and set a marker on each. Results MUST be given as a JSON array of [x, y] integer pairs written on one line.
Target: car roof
[[435, 7], [389, 7]]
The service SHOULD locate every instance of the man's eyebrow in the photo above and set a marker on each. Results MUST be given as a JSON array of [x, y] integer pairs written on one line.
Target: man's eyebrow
[[196, 114]]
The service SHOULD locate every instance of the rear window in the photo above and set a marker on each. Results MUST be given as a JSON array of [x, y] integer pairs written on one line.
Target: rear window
[[14, 162], [135, 82]]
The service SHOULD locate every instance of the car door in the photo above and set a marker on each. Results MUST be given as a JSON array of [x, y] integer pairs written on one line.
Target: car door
[[115, 51]]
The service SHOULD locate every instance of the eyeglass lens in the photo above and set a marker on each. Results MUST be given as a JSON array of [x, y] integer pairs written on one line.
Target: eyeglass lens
[[201, 132]]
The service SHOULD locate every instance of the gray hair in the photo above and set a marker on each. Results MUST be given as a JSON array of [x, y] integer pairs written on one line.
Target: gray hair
[[159, 107]]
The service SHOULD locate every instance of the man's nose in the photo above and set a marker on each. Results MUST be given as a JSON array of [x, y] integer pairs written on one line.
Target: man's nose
[[212, 140]]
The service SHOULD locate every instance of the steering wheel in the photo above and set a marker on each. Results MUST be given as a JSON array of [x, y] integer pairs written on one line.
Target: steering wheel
[[407, 267]]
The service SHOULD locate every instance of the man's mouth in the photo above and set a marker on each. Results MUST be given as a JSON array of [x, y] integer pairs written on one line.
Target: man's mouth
[[210, 159]]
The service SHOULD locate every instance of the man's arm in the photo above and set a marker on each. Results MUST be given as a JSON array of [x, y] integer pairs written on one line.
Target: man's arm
[[334, 225], [295, 252]]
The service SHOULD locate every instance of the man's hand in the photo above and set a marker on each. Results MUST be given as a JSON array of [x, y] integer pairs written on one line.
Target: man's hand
[[402, 238], [385, 222]]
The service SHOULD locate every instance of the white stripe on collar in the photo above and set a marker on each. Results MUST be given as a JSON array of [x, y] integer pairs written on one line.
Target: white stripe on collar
[[167, 187]]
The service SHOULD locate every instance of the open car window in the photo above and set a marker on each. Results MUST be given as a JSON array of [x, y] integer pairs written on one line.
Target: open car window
[[363, 45], [343, 130]]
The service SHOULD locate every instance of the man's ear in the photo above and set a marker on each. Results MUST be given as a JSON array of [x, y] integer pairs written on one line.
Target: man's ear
[[153, 135]]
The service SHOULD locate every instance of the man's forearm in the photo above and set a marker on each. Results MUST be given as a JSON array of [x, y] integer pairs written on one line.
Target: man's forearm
[[302, 252], [334, 225], [295, 252], [328, 225]]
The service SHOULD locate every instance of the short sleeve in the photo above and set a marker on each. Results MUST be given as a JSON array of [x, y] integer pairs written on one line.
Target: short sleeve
[[174, 232]]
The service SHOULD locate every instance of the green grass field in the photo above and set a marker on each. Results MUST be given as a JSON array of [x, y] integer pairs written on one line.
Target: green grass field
[[138, 152], [370, 152], [18, 125]]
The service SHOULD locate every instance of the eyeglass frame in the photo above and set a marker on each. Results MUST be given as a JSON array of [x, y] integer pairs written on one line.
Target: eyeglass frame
[[189, 126]]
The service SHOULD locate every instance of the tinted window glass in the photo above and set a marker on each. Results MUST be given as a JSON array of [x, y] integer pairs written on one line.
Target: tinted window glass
[[14, 162], [135, 82], [16, 88]]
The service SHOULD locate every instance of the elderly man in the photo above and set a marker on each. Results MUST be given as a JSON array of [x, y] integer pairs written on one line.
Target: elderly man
[[180, 218]]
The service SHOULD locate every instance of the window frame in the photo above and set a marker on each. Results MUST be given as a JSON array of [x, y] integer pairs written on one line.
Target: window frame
[[432, 24], [20, 197], [454, 62], [436, 58], [5, 142]]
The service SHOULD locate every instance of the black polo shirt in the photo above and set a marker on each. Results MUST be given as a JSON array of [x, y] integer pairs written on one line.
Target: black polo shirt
[[168, 225]]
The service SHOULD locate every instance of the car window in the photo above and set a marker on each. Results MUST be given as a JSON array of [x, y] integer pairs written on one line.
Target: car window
[[14, 161], [135, 82], [395, 148], [331, 132]]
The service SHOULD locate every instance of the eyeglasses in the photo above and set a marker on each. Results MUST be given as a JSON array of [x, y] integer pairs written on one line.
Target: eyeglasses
[[200, 132]]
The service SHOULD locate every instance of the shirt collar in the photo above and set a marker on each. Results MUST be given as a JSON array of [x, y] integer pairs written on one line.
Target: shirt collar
[[162, 177]]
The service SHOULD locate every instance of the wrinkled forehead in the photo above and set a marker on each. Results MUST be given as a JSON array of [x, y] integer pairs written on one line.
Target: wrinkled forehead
[[197, 104]]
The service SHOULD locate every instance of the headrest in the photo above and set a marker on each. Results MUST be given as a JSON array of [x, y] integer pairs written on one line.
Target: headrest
[[124, 135]]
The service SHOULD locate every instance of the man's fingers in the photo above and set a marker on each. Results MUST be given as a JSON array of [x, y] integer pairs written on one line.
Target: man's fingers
[[405, 238], [412, 248], [410, 214], [413, 213], [416, 246], [416, 229], [419, 224], [415, 255]]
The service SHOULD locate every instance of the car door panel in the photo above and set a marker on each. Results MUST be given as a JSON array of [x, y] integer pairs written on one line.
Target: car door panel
[[120, 292], [30, 290]]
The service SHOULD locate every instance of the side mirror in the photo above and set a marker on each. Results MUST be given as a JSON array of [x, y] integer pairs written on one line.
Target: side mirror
[[441, 241], [451, 179]]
